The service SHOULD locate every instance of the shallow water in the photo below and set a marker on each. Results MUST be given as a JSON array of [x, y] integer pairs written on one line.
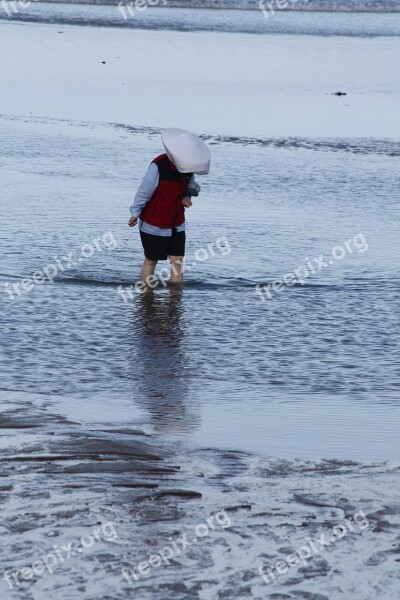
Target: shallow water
[[311, 371], [382, 21], [150, 413], [63, 483]]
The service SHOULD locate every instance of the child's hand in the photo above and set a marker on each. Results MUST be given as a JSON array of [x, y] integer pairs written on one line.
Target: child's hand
[[187, 203], [132, 222]]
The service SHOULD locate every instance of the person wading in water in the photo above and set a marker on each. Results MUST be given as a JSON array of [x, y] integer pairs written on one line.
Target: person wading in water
[[161, 199]]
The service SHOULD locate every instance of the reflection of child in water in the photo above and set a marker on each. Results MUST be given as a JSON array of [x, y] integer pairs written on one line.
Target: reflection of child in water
[[165, 394]]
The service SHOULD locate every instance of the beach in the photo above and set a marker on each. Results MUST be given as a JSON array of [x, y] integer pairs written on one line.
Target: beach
[[259, 85], [236, 437]]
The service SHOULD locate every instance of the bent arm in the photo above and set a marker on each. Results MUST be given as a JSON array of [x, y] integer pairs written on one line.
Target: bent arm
[[145, 190]]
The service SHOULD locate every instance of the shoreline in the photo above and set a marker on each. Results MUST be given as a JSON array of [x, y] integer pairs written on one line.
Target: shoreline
[[212, 6], [198, 442], [291, 96], [67, 478]]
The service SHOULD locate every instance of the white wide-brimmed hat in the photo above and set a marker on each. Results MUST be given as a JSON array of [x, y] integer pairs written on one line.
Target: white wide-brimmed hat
[[187, 151]]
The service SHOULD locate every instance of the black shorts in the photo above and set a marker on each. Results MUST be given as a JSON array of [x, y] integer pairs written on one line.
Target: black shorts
[[159, 247]]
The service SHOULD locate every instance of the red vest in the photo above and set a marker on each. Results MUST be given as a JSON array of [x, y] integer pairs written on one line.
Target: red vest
[[165, 208]]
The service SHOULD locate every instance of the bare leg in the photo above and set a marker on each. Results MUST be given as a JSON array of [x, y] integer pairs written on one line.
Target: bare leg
[[176, 268], [148, 269]]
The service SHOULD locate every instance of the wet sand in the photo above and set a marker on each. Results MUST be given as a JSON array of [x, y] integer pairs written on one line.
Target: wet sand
[[61, 480], [260, 85], [125, 427]]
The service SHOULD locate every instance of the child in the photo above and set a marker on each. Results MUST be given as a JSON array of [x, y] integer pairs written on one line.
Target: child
[[162, 197]]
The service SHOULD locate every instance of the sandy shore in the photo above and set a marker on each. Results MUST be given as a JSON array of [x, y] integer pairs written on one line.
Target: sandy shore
[[69, 466], [64, 482], [164, 78]]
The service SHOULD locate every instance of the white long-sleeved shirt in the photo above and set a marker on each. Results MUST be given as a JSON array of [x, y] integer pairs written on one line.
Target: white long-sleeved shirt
[[144, 194]]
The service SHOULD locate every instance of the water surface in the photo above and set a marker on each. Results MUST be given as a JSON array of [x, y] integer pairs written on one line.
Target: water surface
[[310, 372]]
